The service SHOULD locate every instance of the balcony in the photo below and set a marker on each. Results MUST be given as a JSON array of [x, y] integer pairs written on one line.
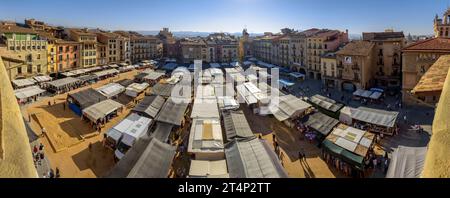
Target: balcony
[[356, 68]]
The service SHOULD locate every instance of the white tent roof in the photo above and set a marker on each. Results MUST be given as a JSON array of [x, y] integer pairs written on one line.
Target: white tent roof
[[227, 103], [205, 91], [205, 108], [101, 109], [297, 75], [23, 82], [106, 72], [205, 136], [407, 162], [375, 116], [358, 92], [28, 92], [376, 95], [352, 139], [110, 90], [42, 78], [136, 87], [208, 169], [214, 65], [289, 106], [133, 125]]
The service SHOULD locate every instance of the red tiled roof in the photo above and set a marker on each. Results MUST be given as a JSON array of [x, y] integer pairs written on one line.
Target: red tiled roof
[[433, 44]]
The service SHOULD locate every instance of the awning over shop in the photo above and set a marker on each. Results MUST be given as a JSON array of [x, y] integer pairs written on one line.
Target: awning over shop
[[375, 116], [321, 123], [87, 78], [28, 92], [407, 162], [101, 109], [125, 82], [252, 159], [236, 125], [206, 137]]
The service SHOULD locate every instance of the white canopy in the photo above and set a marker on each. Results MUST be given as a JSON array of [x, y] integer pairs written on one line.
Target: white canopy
[[134, 89], [206, 136], [297, 75], [106, 72], [101, 109], [407, 162], [42, 78], [205, 108], [23, 82], [208, 169], [110, 90], [28, 92]]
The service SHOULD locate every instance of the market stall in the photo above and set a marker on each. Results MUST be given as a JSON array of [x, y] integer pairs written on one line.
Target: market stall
[[319, 126], [135, 89], [290, 108], [111, 90], [252, 158], [326, 105], [100, 113], [347, 149], [236, 125], [375, 120], [63, 85], [83, 99], [21, 83], [149, 106], [28, 94]]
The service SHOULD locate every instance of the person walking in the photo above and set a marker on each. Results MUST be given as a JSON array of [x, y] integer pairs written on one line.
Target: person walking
[[35, 149], [404, 119], [49, 103], [41, 146], [64, 106]]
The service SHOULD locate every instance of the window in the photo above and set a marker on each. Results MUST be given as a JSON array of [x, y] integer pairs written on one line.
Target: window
[[30, 69], [39, 68], [67, 49], [60, 58], [19, 70], [38, 56], [67, 56]]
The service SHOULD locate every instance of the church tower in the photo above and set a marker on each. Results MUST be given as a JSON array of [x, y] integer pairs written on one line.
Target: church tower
[[442, 25]]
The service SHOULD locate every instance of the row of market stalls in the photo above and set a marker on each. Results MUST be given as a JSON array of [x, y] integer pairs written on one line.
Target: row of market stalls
[[373, 94], [28, 94]]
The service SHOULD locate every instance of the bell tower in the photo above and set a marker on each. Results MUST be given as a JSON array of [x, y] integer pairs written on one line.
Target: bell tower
[[442, 25]]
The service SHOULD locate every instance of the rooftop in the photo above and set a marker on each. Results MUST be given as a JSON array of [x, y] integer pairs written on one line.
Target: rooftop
[[433, 44], [15, 29], [382, 36], [434, 78], [357, 48]]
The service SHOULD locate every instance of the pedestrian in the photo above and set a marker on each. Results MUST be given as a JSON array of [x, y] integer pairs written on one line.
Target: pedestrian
[[54, 102], [51, 174], [260, 136], [35, 149], [57, 173], [273, 137], [43, 132], [41, 146], [49, 104], [90, 147], [374, 162], [64, 106], [300, 155], [41, 155]]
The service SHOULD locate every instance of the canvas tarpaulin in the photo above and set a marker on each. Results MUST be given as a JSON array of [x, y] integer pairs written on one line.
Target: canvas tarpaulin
[[86, 97], [162, 131], [172, 112], [289, 106], [150, 105], [28, 92], [164, 90], [155, 161], [101, 109], [236, 125], [321, 123], [326, 103], [407, 162], [252, 159], [110, 90], [64, 82], [375, 116]]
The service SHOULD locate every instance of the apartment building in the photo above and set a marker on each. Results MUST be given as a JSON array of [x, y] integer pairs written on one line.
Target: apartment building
[[329, 70], [140, 47], [388, 48], [355, 65], [67, 55], [222, 48], [192, 49], [111, 40], [319, 44], [23, 51], [88, 42]]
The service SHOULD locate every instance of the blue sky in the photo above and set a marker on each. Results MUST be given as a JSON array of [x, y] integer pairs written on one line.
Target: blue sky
[[411, 16]]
